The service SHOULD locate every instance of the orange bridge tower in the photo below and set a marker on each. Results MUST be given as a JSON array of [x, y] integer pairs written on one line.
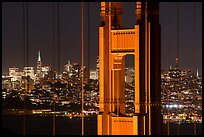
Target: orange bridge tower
[[115, 42]]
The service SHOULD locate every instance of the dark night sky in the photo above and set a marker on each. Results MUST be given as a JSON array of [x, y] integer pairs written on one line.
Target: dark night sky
[[41, 33]]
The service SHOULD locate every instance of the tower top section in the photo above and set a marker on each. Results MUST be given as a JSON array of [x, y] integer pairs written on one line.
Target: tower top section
[[112, 10], [39, 58]]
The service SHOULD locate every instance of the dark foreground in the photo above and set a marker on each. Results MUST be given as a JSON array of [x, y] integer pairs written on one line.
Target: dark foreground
[[43, 125]]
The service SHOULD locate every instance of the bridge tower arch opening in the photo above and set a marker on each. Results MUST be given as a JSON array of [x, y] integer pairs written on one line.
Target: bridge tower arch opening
[[129, 84]]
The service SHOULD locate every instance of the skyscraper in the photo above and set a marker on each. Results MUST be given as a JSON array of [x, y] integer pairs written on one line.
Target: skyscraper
[[97, 68], [68, 67], [39, 67]]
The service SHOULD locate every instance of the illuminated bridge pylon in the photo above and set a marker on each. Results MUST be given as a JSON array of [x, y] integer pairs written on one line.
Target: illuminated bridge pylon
[[115, 43]]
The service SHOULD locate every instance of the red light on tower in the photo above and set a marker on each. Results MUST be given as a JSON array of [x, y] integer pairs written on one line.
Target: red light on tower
[[75, 63], [177, 61]]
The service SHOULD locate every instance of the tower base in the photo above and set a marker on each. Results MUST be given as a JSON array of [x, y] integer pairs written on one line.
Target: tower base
[[115, 125]]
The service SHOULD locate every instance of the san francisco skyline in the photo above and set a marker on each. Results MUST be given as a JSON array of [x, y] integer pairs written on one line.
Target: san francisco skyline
[[142, 100]]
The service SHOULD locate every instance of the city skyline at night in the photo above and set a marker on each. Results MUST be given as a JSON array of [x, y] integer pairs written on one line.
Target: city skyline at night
[[41, 33], [102, 68]]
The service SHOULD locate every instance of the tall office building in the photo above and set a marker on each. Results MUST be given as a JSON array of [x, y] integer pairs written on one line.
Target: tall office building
[[97, 68], [29, 71], [45, 70], [12, 71], [15, 76], [39, 67], [68, 67]]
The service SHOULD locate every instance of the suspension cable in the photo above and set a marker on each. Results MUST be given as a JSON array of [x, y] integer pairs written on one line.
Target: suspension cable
[[194, 65], [56, 47], [177, 58], [168, 114], [88, 41], [25, 57], [54, 40], [82, 57], [177, 55], [58, 37]]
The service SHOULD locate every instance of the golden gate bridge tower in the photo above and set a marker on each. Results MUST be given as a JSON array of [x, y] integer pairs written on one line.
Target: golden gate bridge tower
[[115, 42]]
